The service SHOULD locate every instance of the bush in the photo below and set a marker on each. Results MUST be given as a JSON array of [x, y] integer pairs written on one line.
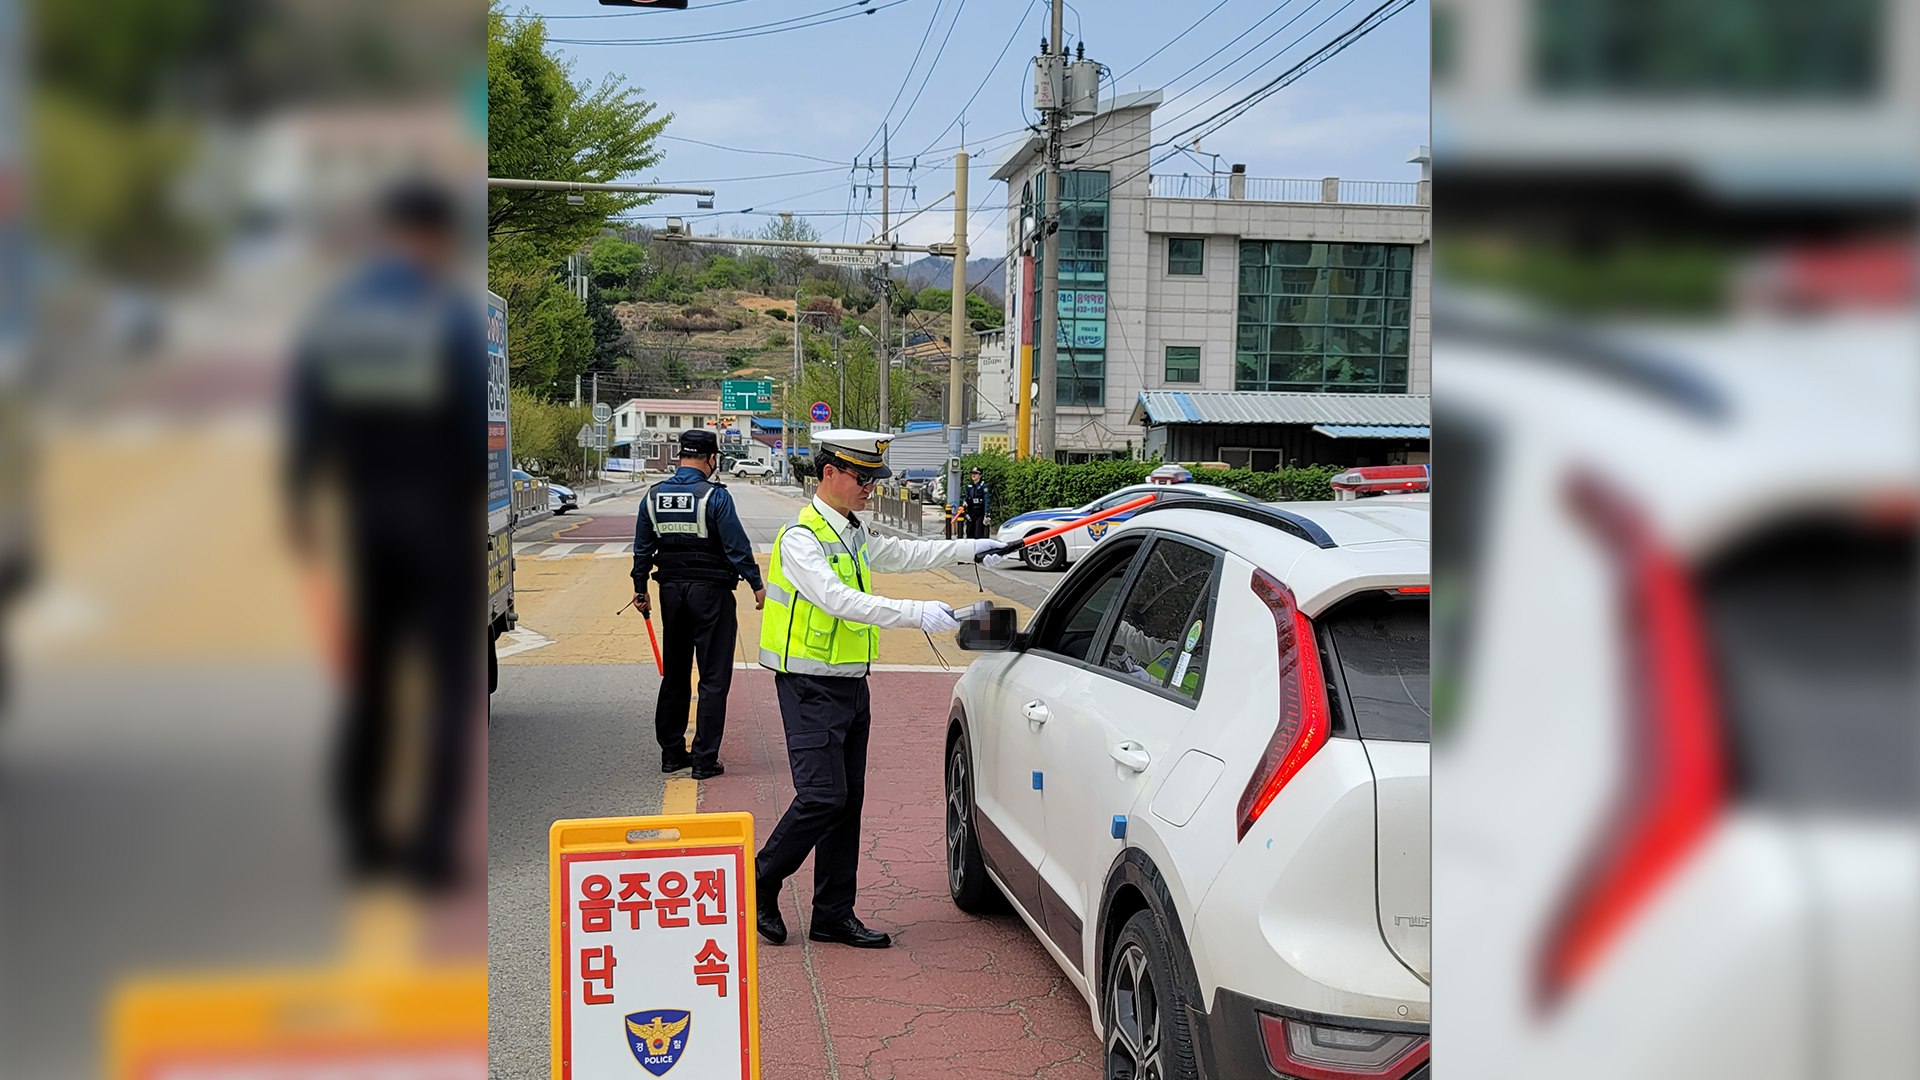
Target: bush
[[778, 340], [779, 313], [1017, 487]]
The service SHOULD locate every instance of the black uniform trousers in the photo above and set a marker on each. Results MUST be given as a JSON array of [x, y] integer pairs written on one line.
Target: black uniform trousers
[[976, 521], [409, 596], [827, 719], [697, 621]]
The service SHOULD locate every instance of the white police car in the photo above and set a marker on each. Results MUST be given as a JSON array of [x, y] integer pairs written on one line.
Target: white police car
[[1200, 775], [1056, 553]]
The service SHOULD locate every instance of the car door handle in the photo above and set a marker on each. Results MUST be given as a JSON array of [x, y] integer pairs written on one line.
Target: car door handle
[[1035, 711], [1130, 754]]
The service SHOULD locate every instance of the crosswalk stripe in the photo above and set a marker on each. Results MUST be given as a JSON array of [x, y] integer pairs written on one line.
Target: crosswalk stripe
[[558, 550], [620, 548]]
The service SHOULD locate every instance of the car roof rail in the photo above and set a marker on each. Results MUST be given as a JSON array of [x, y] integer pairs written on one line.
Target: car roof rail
[[1286, 521]]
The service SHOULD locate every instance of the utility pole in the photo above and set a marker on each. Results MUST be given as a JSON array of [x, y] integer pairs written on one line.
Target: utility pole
[[1043, 434], [886, 287], [956, 415], [793, 426]]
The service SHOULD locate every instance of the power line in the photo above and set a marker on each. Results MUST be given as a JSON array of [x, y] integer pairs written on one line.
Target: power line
[[932, 21], [1190, 29], [762, 176], [931, 68], [529, 15], [743, 150], [798, 22], [1019, 24]]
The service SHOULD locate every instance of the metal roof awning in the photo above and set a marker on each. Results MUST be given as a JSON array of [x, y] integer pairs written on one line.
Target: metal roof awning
[[1275, 407], [1374, 431]]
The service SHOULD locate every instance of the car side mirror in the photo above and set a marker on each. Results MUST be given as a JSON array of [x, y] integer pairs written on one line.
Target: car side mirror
[[987, 628]]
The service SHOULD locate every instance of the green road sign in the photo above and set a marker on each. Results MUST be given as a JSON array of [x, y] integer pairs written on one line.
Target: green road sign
[[746, 395]]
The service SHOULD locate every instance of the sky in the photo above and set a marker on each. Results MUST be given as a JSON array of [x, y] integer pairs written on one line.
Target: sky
[[796, 105]]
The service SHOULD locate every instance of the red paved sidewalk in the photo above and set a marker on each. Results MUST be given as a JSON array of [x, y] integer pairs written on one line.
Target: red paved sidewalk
[[957, 994]]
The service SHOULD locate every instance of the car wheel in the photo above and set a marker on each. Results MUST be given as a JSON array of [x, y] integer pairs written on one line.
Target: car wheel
[[967, 877], [1051, 555], [1145, 1011], [493, 664]]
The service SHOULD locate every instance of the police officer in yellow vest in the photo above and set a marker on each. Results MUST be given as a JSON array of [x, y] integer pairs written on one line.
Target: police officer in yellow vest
[[818, 634]]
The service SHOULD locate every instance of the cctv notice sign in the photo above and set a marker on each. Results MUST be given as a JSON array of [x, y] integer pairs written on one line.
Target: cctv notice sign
[[653, 949]]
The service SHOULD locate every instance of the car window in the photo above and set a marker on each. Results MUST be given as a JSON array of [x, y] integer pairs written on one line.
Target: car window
[[1068, 627], [1382, 644], [1113, 500], [1161, 636]]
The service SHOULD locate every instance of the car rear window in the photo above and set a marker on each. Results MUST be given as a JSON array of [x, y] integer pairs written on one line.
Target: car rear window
[[1381, 644], [1812, 630]]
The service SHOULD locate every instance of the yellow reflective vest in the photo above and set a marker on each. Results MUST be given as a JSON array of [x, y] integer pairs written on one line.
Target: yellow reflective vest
[[798, 637]]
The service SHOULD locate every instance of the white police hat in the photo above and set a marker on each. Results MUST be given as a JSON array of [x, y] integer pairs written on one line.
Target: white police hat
[[863, 451]]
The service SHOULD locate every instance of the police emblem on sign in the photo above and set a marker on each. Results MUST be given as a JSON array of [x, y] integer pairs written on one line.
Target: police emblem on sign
[[658, 1037], [1098, 529]]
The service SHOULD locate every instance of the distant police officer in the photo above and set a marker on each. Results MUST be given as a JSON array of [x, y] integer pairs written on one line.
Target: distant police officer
[[819, 635], [688, 533], [977, 506]]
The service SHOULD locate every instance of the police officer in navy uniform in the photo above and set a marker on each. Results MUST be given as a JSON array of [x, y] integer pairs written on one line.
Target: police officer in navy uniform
[[977, 506], [689, 535]]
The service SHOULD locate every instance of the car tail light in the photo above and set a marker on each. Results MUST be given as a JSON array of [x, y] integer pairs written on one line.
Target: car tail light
[[1674, 783], [1302, 728], [1378, 479], [1296, 1048]]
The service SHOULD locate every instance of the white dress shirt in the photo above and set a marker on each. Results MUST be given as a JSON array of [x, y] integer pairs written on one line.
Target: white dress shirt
[[805, 563]]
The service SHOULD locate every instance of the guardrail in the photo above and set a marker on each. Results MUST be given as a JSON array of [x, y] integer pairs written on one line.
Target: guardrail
[[898, 507], [1279, 189]]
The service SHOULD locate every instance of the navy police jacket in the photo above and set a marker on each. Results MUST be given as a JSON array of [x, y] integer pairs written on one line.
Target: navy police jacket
[[688, 530]]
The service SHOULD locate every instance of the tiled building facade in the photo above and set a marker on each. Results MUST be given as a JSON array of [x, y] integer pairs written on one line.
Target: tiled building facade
[[1212, 283]]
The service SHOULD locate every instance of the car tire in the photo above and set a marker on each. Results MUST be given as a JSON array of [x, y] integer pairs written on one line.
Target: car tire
[[1143, 1010], [972, 891], [493, 663], [1048, 556]]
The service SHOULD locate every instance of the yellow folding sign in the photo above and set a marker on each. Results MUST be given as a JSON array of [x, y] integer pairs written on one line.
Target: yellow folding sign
[[654, 953], [394, 1023]]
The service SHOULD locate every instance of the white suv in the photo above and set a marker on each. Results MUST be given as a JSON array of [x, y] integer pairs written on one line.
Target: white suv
[[1200, 776], [1673, 814], [752, 467]]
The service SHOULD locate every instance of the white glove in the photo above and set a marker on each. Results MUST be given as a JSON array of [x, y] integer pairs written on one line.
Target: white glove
[[936, 617], [991, 545]]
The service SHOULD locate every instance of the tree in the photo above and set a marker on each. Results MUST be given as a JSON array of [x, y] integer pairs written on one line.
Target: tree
[[617, 267], [549, 333], [609, 337], [541, 125], [791, 263]]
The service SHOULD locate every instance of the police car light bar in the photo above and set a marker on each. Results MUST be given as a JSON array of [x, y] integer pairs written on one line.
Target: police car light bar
[[1379, 479]]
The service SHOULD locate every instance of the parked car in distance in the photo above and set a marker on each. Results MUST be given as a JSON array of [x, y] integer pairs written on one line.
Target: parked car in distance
[[1057, 553], [1200, 776], [749, 467], [561, 498]]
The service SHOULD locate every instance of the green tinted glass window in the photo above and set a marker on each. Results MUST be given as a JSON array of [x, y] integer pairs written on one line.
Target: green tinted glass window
[[1183, 363], [1318, 316], [1186, 255]]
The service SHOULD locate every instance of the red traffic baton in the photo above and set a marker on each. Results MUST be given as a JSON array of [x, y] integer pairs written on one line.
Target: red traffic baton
[[1016, 545], [651, 640], [655, 642]]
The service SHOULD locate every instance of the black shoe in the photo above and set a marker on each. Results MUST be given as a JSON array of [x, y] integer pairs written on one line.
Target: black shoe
[[674, 765], [772, 926], [848, 931], [708, 772]]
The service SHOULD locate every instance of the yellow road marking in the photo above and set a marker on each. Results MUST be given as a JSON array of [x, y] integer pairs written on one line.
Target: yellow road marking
[[682, 796]]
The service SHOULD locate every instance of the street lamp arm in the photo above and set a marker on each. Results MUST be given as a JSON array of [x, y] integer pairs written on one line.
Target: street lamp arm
[[581, 185], [747, 241]]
